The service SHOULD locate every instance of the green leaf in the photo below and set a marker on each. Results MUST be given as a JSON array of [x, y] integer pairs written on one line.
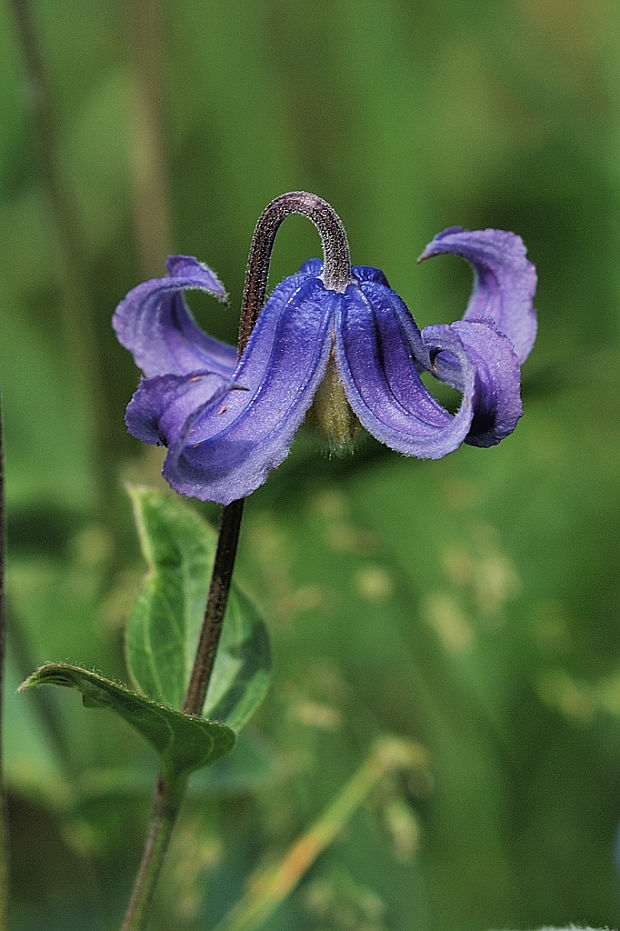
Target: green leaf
[[179, 548], [184, 743]]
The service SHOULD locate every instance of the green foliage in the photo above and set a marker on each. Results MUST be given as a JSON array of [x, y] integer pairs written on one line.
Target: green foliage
[[184, 743], [179, 548]]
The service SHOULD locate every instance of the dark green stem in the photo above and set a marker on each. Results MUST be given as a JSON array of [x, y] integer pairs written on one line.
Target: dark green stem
[[168, 798], [166, 805], [217, 599]]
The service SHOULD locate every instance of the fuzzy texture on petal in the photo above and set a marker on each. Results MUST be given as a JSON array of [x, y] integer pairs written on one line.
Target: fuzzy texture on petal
[[228, 422], [377, 347], [162, 404], [504, 281], [359, 272], [224, 451], [496, 395], [155, 324]]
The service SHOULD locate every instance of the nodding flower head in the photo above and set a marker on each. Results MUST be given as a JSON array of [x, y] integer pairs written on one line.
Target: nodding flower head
[[228, 420]]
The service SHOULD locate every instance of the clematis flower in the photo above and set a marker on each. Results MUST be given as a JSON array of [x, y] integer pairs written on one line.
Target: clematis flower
[[227, 422]]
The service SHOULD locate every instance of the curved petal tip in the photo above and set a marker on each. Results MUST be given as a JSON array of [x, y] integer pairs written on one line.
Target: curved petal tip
[[505, 281]]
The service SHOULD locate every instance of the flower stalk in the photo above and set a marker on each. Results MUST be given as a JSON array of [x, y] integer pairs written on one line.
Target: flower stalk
[[337, 260], [217, 599], [168, 797], [166, 806]]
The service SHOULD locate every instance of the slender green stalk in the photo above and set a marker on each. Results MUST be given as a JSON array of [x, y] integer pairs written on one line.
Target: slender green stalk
[[168, 798], [4, 846], [166, 804], [337, 273]]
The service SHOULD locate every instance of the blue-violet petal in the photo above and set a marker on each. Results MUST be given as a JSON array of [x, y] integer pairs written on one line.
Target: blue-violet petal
[[496, 396], [504, 281], [225, 451], [161, 405], [155, 324], [377, 348]]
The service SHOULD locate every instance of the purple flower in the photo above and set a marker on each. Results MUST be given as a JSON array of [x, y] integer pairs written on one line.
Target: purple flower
[[228, 422]]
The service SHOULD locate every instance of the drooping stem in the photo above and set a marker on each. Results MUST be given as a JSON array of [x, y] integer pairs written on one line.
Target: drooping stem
[[336, 275], [336, 257]]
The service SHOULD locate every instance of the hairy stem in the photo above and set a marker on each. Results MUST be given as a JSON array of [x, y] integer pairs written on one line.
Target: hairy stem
[[336, 275], [337, 262], [168, 798]]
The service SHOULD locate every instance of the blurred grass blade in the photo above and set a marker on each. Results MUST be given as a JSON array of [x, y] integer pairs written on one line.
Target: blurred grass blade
[[179, 548], [184, 743], [271, 885]]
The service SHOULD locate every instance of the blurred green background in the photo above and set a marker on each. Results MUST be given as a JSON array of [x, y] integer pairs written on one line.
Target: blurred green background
[[469, 604]]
